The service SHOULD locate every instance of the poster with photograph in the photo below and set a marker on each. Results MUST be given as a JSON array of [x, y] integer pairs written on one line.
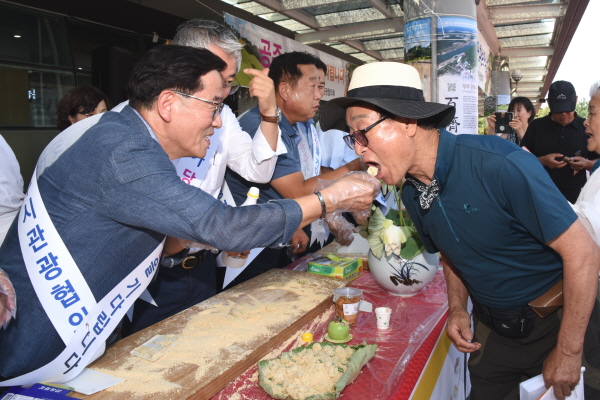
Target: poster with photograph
[[417, 40], [457, 70], [263, 45]]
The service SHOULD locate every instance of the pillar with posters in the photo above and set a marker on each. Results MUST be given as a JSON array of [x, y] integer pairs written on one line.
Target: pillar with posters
[[441, 42]]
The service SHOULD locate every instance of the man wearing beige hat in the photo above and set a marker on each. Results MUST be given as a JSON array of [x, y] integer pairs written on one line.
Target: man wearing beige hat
[[506, 234]]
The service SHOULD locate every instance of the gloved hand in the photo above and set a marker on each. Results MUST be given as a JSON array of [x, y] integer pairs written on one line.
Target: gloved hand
[[8, 300], [354, 192]]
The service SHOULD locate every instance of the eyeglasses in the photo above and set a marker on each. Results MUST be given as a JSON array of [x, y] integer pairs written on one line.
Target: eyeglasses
[[233, 87], [218, 106], [360, 136]]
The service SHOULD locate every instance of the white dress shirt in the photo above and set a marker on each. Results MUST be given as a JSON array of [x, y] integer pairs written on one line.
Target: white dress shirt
[[11, 187], [251, 158]]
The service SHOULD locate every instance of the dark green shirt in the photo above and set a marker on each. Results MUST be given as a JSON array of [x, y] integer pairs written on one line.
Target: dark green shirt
[[495, 211]]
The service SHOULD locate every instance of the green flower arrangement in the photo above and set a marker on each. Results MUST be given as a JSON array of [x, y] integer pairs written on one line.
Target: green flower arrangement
[[393, 233]]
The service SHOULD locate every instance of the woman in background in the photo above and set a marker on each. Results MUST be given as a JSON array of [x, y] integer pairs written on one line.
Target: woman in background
[[523, 114], [80, 103]]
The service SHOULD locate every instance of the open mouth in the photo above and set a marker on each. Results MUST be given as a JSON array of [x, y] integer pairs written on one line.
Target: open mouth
[[375, 165]]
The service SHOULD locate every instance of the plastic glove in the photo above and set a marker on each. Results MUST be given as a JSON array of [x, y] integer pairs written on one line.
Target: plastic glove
[[196, 247], [8, 300], [354, 192]]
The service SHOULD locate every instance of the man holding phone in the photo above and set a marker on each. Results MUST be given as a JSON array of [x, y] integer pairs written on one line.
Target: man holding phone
[[560, 143]]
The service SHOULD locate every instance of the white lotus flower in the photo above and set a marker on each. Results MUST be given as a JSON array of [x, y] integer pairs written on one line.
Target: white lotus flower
[[393, 237]]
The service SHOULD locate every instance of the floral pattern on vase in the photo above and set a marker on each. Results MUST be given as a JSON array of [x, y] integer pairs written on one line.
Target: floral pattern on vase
[[401, 276]]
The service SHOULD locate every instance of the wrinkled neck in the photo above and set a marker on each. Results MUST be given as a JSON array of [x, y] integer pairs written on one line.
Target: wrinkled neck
[[426, 155]]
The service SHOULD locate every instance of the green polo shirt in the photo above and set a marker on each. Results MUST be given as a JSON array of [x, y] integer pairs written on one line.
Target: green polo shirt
[[495, 211]]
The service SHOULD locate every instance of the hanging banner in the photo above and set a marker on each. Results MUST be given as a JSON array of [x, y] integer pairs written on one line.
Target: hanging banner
[[417, 50], [457, 70], [485, 59], [263, 45]]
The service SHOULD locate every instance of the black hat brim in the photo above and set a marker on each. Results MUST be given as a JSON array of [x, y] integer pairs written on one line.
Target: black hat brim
[[333, 113], [562, 106]]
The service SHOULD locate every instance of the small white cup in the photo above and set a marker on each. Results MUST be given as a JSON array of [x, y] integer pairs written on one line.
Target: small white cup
[[383, 315], [233, 262]]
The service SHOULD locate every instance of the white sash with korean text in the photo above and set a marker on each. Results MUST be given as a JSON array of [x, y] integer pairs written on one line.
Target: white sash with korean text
[[192, 170], [58, 283], [311, 166], [82, 324]]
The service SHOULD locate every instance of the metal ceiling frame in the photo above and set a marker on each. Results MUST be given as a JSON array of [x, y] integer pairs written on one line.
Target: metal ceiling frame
[[537, 54], [395, 25]]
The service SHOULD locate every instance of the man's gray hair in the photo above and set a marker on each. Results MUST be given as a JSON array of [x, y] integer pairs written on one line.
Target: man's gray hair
[[201, 33], [595, 89]]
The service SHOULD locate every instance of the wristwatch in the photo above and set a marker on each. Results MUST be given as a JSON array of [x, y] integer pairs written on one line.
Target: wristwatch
[[275, 119]]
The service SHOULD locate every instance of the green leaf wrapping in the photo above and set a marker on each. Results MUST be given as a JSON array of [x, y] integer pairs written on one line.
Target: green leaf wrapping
[[362, 354]]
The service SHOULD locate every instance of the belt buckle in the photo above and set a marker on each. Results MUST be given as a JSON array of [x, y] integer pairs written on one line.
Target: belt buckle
[[189, 258], [196, 259]]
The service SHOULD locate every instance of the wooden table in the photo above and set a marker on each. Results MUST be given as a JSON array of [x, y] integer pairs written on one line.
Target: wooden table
[[410, 356], [220, 338]]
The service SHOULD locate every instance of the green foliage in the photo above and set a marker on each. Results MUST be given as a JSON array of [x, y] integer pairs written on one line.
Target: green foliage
[[543, 112], [417, 53], [582, 108], [481, 125]]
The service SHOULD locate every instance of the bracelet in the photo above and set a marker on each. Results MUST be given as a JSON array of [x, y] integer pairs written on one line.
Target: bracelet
[[323, 207]]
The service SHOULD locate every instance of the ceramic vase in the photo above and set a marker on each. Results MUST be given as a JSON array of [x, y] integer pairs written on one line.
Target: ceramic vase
[[404, 277]]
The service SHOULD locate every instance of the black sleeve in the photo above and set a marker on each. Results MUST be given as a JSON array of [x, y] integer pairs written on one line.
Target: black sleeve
[[528, 138]]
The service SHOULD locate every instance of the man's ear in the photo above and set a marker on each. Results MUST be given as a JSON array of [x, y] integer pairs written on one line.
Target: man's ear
[[166, 104], [408, 126], [284, 90]]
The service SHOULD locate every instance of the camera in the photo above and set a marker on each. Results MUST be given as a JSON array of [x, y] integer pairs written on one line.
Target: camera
[[502, 120]]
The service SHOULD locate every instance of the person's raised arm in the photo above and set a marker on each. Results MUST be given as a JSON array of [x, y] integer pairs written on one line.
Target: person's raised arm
[[261, 87], [294, 185], [351, 193], [518, 127], [458, 328], [581, 264], [354, 192]]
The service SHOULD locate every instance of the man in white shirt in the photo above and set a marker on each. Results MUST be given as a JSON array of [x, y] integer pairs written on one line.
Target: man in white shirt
[[11, 187]]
